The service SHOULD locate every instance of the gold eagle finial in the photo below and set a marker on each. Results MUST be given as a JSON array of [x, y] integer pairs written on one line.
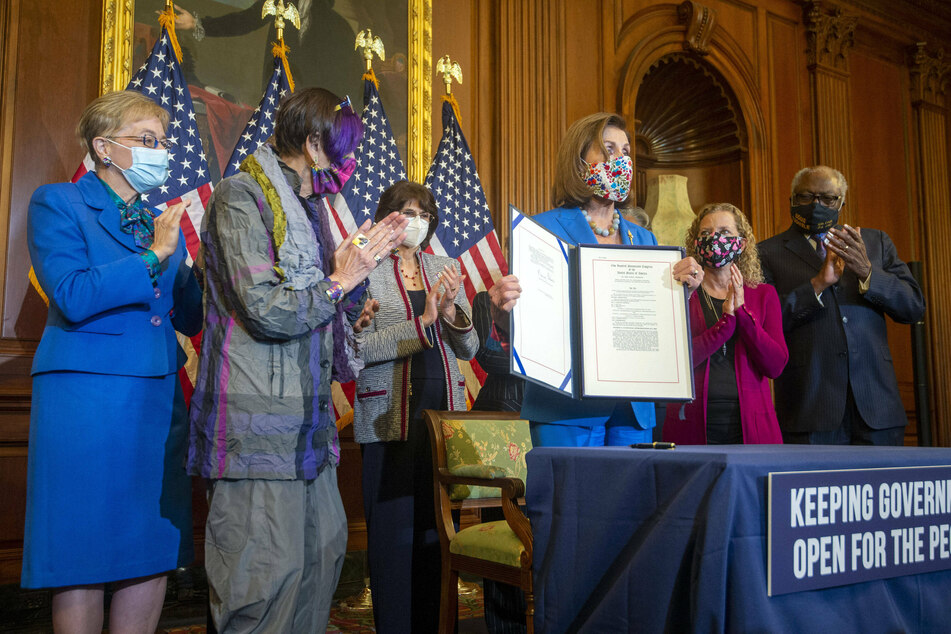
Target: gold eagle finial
[[370, 45], [449, 70], [281, 12]]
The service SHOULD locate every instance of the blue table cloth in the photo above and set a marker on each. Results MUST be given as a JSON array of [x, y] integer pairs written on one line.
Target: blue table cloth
[[639, 540]]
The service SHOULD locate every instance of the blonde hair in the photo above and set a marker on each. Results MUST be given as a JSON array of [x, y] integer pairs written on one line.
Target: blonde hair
[[748, 261], [111, 112], [569, 189]]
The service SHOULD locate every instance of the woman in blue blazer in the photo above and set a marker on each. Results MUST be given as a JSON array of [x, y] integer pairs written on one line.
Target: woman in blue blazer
[[108, 499], [593, 174]]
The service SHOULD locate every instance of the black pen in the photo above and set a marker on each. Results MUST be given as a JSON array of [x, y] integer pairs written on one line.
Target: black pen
[[654, 445]]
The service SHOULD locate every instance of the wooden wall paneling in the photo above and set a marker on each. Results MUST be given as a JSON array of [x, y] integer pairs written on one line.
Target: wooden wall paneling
[[585, 51], [44, 85], [486, 108], [879, 186], [830, 35], [531, 75], [930, 74], [791, 120], [51, 35]]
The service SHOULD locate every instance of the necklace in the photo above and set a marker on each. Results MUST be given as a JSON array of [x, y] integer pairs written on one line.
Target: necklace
[[415, 270], [713, 309], [615, 223]]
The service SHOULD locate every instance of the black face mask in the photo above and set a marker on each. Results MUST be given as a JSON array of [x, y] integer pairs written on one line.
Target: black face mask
[[815, 217]]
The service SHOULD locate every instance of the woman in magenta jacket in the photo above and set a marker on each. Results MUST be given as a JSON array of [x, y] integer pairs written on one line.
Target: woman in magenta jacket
[[738, 343]]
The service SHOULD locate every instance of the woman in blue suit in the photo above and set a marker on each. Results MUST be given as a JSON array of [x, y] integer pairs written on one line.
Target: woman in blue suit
[[593, 174], [108, 499]]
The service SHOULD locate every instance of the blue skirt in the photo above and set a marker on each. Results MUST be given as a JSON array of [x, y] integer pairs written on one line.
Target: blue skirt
[[107, 493]]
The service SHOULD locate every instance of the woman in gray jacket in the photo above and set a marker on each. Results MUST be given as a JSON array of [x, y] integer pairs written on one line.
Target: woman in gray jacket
[[410, 351]]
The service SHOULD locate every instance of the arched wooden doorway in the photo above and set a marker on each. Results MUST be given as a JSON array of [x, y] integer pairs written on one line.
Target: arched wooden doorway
[[688, 122]]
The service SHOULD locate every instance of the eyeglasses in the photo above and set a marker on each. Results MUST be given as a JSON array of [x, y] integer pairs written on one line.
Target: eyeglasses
[[425, 215], [148, 141], [806, 198]]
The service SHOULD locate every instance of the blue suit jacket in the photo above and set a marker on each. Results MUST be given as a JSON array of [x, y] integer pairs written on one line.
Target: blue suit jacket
[[541, 405], [841, 343], [104, 315]]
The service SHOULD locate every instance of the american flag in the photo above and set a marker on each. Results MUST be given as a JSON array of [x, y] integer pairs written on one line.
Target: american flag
[[160, 78], [261, 123], [465, 230], [378, 166]]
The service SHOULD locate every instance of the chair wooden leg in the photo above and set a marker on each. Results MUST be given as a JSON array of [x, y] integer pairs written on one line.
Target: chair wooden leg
[[449, 602], [529, 611]]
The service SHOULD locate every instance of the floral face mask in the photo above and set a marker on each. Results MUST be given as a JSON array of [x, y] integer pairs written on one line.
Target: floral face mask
[[610, 179]]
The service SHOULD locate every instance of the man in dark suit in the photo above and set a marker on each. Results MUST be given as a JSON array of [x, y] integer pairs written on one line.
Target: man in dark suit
[[836, 284]]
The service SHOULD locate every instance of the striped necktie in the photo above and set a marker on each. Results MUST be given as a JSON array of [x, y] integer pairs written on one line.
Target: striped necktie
[[819, 239]]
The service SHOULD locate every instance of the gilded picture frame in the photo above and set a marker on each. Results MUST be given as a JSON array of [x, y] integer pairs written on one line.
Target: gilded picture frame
[[119, 32]]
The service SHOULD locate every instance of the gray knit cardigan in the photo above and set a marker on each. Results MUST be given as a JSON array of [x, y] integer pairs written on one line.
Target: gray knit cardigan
[[381, 407]]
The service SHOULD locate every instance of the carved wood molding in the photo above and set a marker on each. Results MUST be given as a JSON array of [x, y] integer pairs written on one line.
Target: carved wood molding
[[830, 33], [930, 74], [700, 21], [116, 55]]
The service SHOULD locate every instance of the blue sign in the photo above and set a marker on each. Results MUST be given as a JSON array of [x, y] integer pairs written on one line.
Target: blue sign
[[832, 528]]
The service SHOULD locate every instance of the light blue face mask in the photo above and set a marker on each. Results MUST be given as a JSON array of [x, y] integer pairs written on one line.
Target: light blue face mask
[[149, 167]]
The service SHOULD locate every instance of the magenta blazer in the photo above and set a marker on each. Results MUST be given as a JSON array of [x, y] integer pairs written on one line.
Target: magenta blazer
[[761, 354]]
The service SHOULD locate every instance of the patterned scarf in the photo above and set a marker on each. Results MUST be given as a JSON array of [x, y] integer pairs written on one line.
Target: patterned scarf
[[134, 218], [303, 247]]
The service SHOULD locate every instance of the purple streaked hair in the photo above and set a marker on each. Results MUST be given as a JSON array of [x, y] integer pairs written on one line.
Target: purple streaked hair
[[313, 111]]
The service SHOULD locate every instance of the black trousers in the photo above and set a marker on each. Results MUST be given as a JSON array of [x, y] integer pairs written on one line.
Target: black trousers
[[402, 543], [851, 431]]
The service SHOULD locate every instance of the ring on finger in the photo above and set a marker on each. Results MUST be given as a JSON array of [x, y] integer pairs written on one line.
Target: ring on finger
[[377, 258]]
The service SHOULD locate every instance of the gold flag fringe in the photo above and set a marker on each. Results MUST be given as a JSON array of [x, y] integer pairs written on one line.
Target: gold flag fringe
[[370, 75], [36, 286], [451, 98], [167, 20], [279, 49]]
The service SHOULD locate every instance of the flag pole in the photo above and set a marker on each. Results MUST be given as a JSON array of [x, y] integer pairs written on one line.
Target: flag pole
[[450, 70], [282, 12]]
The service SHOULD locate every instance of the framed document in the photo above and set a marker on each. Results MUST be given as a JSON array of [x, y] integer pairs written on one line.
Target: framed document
[[599, 321], [540, 322]]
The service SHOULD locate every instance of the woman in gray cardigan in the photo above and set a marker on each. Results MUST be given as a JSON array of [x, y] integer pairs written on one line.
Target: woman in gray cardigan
[[423, 325]]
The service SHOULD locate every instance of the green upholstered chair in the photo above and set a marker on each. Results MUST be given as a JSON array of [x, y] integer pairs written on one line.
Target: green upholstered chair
[[479, 461]]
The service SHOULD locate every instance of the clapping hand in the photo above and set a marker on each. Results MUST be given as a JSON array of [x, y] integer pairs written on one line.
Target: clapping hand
[[830, 273], [366, 315], [847, 243], [450, 281], [167, 229], [736, 286], [361, 251]]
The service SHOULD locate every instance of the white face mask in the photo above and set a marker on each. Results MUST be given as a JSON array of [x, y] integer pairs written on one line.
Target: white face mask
[[416, 232]]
